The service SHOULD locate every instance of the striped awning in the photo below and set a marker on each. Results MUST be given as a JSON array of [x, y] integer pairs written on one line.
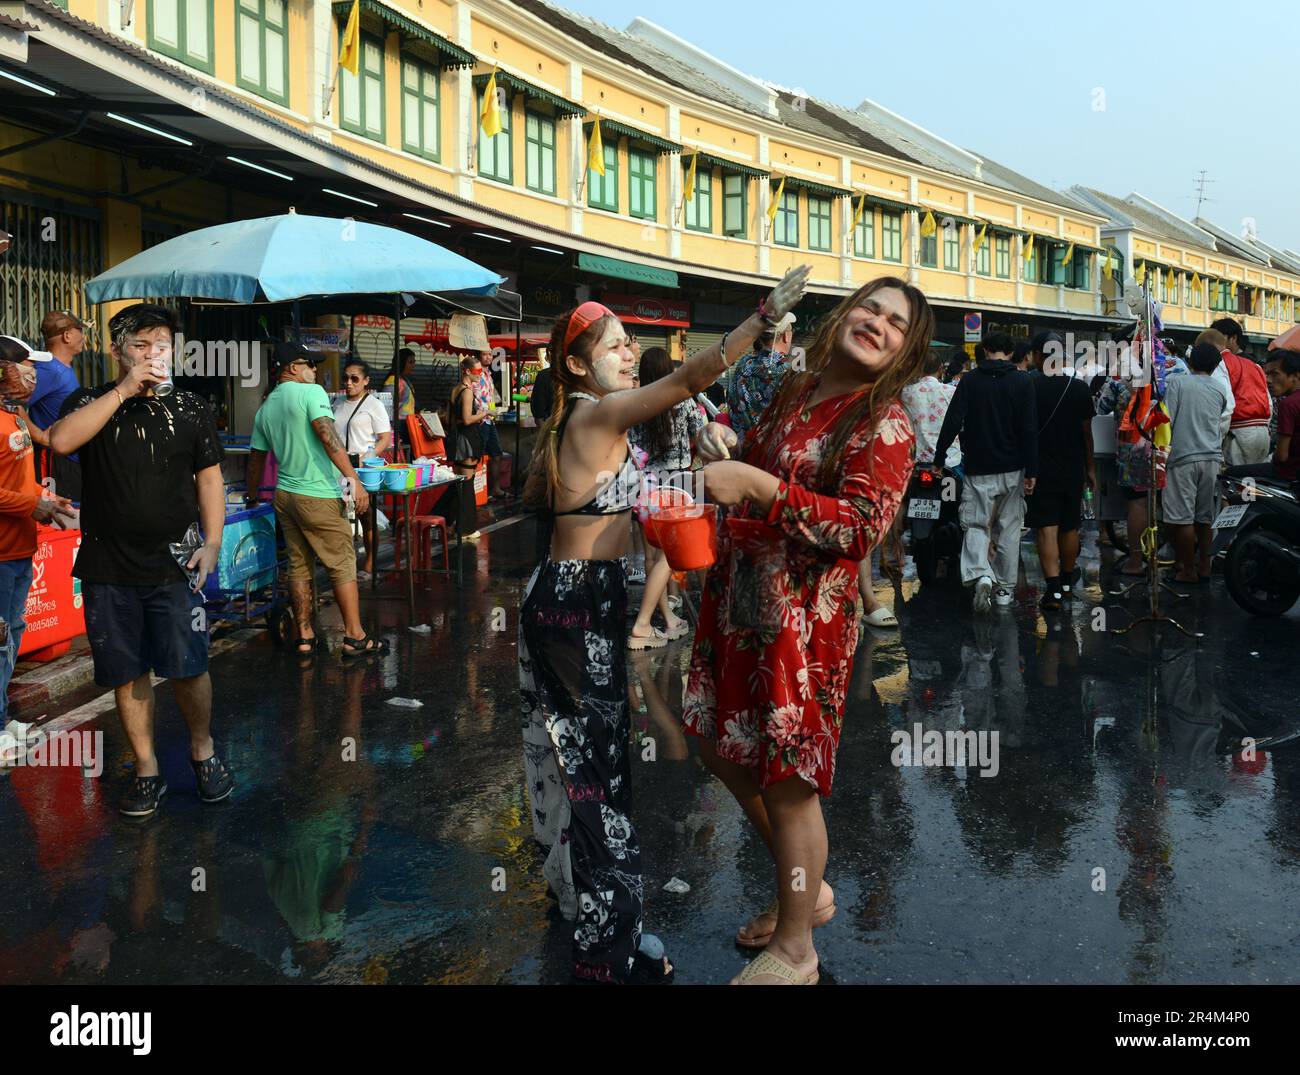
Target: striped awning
[[611, 126], [449, 55], [561, 105]]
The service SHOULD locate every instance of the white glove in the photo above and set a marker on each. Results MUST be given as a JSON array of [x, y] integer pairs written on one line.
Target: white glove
[[715, 441], [786, 295]]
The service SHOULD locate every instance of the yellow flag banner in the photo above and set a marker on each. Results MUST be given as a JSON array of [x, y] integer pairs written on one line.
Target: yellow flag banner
[[979, 238], [688, 191], [596, 150], [489, 116], [1027, 247], [1108, 266], [776, 202], [1232, 291], [857, 213], [1069, 255], [1140, 273], [928, 226], [350, 50], [1169, 281]]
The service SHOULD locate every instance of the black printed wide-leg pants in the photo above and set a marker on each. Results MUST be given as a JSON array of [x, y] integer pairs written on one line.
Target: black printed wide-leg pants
[[576, 724]]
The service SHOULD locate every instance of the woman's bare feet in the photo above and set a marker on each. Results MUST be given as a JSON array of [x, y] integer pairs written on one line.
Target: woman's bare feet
[[756, 932]]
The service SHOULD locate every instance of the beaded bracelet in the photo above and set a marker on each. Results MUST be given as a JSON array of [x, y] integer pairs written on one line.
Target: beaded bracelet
[[763, 315]]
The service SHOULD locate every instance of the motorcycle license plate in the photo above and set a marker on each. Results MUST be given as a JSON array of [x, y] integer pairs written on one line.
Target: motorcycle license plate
[[922, 509], [1230, 516]]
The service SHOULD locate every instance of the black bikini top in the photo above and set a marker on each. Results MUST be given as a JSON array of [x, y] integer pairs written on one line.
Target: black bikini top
[[617, 495]]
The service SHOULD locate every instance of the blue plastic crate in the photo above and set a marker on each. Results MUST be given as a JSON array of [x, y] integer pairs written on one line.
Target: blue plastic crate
[[247, 552]]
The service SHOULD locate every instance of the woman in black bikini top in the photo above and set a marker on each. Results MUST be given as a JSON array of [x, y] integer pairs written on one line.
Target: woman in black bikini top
[[572, 670]]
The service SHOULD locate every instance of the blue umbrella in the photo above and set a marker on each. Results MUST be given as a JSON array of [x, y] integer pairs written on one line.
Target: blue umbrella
[[278, 258]]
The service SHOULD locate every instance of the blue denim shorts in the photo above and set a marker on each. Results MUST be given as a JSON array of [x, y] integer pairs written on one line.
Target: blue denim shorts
[[136, 629]]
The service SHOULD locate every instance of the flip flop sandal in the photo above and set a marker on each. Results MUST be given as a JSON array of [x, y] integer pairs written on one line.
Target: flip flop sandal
[[766, 963], [821, 916], [882, 617], [655, 640], [306, 647], [680, 631], [365, 646]]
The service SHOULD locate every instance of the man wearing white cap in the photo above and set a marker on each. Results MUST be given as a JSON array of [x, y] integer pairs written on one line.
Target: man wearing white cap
[[755, 378]]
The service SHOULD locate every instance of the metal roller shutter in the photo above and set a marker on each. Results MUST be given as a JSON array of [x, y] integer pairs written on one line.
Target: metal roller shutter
[[699, 339]]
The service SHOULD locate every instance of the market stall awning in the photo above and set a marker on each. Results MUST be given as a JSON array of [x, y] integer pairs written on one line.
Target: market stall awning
[[627, 270], [610, 126], [448, 55], [561, 105], [439, 341]]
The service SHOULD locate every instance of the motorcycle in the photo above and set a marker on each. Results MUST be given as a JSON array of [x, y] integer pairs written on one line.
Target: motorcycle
[[1261, 518], [933, 497]]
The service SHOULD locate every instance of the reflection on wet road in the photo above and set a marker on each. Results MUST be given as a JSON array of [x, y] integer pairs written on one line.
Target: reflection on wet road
[[1121, 839]]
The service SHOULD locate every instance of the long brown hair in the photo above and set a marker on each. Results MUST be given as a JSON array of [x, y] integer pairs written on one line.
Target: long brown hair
[[870, 407], [655, 364], [543, 480]]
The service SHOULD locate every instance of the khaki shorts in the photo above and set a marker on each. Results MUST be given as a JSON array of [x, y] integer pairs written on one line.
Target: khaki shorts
[[1191, 490], [316, 528]]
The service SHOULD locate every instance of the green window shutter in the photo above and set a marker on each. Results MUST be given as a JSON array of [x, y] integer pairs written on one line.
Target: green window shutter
[[982, 256], [1002, 256], [421, 108], [787, 220], [496, 157], [891, 236], [819, 223], [952, 247], [699, 210], [864, 234], [642, 200], [262, 48], [735, 211], [539, 146], [602, 191], [182, 29]]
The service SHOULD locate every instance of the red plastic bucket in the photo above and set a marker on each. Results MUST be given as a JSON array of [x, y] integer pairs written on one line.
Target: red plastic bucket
[[687, 534], [657, 500]]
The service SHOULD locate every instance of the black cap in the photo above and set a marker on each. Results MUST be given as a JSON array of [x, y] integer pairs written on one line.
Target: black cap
[[286, 353]]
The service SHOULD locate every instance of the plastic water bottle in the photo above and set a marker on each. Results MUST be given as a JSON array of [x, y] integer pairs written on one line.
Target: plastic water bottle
[[1089, 510]]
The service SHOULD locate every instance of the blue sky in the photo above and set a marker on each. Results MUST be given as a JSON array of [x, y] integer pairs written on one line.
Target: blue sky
[[1016, 82]]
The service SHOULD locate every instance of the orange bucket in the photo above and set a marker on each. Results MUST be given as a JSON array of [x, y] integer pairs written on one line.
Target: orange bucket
[[657, 500], [687, 534]]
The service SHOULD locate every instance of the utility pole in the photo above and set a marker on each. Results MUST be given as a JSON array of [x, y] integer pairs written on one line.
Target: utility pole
[[1201, 183]]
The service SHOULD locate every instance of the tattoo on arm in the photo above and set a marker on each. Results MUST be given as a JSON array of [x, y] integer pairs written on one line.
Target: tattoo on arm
[[328, 434]]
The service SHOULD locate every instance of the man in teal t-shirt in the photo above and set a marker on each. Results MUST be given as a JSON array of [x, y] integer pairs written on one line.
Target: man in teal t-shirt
[[296, 422]]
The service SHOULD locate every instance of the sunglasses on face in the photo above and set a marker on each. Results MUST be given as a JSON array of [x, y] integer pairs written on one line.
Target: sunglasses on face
[[353, 380]]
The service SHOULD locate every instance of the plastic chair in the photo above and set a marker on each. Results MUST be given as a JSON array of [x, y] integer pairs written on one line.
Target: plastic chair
[[422, 528]]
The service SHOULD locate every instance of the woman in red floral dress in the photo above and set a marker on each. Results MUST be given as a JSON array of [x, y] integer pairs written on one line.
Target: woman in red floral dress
[[823, 476]]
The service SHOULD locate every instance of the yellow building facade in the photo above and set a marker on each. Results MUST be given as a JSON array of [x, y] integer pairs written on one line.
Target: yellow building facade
[[407, 125]]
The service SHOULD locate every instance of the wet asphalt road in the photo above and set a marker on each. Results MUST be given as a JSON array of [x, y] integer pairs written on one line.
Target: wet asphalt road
[[1115, 755]]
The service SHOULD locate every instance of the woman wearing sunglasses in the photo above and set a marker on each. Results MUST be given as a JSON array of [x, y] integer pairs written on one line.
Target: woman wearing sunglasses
[[366, 428]]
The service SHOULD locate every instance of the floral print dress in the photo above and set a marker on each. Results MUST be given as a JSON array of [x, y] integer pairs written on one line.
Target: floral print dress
[[772, 696]]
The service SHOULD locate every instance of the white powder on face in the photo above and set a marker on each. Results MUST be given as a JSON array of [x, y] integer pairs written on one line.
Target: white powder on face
[[606, 368]]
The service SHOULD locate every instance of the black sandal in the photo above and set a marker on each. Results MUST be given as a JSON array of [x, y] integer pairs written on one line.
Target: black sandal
[[310, 645], [365, 646]]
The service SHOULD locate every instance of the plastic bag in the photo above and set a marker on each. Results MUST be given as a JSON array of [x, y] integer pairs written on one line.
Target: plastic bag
[[183, 551]]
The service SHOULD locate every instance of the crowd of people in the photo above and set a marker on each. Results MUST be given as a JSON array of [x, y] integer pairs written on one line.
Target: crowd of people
[[810, 460]]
